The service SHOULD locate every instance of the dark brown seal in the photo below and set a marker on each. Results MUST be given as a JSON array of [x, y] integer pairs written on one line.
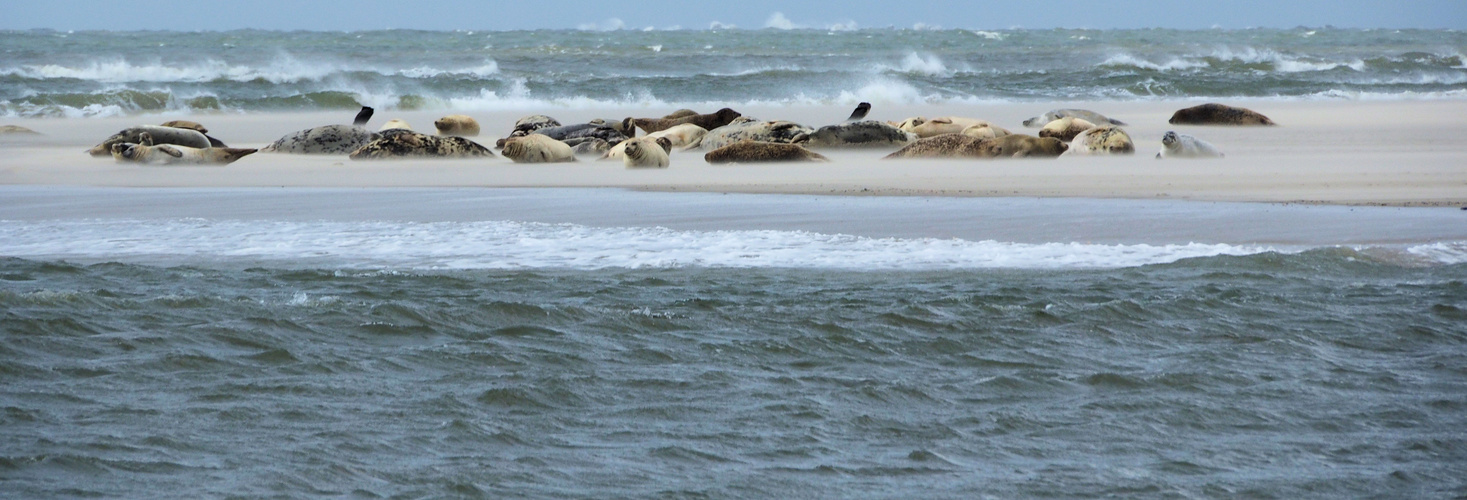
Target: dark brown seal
[[708, 122], [1218, 114]]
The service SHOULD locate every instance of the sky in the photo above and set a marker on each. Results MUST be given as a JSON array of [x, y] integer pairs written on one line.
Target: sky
[[356, 15]]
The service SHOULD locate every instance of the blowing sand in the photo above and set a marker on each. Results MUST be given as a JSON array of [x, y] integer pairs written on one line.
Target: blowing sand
[[1398, 153]]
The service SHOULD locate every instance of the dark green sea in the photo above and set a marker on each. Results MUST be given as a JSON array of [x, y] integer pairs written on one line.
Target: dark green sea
[[50, 73]]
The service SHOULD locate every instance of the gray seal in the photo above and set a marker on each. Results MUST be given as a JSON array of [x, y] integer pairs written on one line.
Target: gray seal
[[1083, 114], [861, 134], [1218, 114], [402, 143], [752, 130], [324, 140], [161, 135]]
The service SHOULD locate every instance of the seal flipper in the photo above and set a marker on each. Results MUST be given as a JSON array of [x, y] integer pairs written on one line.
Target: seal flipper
[[215, 143], [363, 116], [169, 150], [860, 112]]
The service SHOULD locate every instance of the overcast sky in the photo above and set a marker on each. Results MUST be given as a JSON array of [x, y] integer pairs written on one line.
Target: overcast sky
[[186, 15]]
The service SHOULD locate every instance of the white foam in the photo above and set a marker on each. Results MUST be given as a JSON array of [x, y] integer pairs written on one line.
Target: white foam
[[518, 245], [779, 22], [284, 68]]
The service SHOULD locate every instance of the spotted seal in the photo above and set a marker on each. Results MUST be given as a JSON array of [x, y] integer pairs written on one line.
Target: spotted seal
[[1102, 140], [761, 152], [579, 130], [929, 127], [328, 139], [941, 146], [751, 130], [160, 135], [1065, 129], [196, 126], [1023, 146], [708, 122], [537, 148], [145, 151], [457, 125], [1174, 145], [858, 134], [1084, 114], [1218, 114], [402, 144], [644, 152]]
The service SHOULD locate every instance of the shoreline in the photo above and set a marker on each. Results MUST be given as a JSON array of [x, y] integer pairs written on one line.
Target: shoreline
[[1354, 153]]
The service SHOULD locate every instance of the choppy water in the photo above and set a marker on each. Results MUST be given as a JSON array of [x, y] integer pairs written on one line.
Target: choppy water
[[1319, 374], [47, 73], [152, 356]]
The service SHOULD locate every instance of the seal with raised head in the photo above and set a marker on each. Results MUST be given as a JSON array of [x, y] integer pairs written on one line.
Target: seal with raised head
[[644, 152], [859, 134], [1102, 140], [1065, 129], [708, 122], [402, 143], [751, 130], [537, 148], [459, 125], [145, 151], [761, 152], [1084, 114], [1218, 114], [1174, 145], [328, 139], [618, 152], [160, 135]]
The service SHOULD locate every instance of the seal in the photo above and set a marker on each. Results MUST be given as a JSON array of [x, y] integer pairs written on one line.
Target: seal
[[394, 124], [403, 143], [942, 146], [986, 131], [527, 124], [160, 135], [859, 134], [751, 130], [579, 130], [708, 122], [589, 146], [618, 152], [644, 152], [328, 139], [16, 130], [682, 135], [146, 152], [537, 148], [1102, 140], [937, 126], [1065, 129], [1218, 114], [1023, 146], [459, 125], [624, 125], [186, 124], [323, 140], [1084, 114], [860, 112], [965, 146], [1174, 145], [679, 114], [761, 152]]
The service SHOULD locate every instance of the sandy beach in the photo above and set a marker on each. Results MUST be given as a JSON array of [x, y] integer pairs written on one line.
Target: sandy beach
[[1393, 153]]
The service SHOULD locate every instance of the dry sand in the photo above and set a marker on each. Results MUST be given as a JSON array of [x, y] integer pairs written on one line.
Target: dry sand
[[1400, 153]]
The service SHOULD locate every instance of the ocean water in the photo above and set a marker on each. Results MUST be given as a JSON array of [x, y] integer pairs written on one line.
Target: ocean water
[[307, 343], [82, 74]]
